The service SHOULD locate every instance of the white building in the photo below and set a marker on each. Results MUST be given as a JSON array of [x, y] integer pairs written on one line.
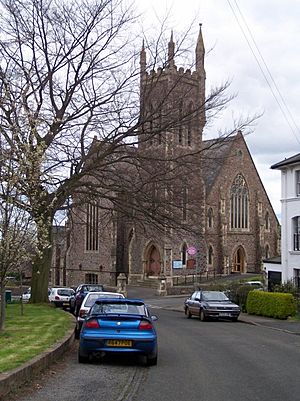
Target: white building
[[288, 267]]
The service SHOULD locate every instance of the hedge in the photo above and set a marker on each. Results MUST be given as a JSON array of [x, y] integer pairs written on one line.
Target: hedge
[[271, 304]]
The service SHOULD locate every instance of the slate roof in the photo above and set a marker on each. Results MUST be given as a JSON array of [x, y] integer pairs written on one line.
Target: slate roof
[[286, 162], [214, 156]]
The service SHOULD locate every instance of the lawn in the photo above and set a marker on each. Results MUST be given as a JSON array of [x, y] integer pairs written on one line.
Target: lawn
[[26, 336]]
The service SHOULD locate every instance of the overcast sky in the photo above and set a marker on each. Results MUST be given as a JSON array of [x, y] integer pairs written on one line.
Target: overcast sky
[[275, 27]]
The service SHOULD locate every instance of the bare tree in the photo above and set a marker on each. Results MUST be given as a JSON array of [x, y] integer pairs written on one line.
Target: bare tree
[[17, 235], [69, 71]]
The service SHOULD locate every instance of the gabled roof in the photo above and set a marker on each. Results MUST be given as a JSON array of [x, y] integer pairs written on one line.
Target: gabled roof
[[287, 162]]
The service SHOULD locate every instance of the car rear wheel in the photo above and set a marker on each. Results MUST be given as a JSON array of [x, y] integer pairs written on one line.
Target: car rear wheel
[[82, 358], [151, 361], [202, 315], [188, 313]]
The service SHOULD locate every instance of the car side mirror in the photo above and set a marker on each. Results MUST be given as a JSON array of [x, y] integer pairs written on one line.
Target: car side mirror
[[197, 299], [154, 317]]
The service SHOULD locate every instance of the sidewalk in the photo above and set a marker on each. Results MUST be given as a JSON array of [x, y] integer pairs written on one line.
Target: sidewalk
[[288, 325]]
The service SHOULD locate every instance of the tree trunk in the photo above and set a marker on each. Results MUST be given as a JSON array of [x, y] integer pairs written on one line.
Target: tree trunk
[[40, 272], [2, 307]]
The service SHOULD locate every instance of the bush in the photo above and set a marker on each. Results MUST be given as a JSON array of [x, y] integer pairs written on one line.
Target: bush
[[271, 304]]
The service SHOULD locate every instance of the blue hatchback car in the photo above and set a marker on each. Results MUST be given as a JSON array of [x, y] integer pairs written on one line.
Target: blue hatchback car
[[118, 326]]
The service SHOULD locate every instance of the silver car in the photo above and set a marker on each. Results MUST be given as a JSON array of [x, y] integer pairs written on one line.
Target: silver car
[[211, 304]]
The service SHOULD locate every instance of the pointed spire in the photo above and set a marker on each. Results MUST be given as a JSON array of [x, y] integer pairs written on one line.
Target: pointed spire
[[200, 50], [171, 51], [143, 58]]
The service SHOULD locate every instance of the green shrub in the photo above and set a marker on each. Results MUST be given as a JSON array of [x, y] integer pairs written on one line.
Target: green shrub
[[271, 304]]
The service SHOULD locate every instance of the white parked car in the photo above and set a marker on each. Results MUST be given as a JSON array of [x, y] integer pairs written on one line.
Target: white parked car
[[88, 302], [60, 296], [26, 295]]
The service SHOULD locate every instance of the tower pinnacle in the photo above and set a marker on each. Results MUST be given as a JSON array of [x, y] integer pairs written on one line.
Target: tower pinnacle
[[171, 51], [200, 50]]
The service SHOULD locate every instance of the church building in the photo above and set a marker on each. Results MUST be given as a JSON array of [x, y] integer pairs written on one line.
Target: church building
[[228, 220]]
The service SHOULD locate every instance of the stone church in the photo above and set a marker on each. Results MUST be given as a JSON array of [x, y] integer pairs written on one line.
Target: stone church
[[232, 224]]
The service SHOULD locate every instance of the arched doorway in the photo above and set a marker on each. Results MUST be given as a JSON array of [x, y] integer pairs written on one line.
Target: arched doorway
[[239, 261], [153, 261]]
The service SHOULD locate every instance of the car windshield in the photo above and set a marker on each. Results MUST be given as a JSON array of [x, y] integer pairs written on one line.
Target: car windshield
[[93, 288], [214, 296], [120, 308], [65, 292], [91, 298]]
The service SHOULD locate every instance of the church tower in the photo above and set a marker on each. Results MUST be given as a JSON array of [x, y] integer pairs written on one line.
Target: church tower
[[172, 102]]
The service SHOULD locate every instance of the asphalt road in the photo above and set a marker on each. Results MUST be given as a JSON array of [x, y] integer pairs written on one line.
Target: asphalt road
[[203, 361]]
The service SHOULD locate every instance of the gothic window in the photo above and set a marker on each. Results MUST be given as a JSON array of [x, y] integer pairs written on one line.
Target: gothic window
[[296, 233], [184, 202], [189, 127], [183, 254], [239, 204], [91, 278], [92, 228], [267, 251], [210, 218], [180, 124], [267, 221], [298, 182], [210, 255]]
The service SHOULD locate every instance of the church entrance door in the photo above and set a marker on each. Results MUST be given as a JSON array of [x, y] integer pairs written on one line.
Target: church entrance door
[[239, 261], [153, 265]]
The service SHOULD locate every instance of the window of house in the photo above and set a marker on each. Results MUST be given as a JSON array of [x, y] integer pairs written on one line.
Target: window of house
[[296, 233], [91, 278], [298, 182], [239, 204], [267, 221], [210, 255], [183, 254], [92, 228], [210, 218]]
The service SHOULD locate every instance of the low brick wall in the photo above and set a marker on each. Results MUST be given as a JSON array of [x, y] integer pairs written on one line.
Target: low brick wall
[[12, 380]]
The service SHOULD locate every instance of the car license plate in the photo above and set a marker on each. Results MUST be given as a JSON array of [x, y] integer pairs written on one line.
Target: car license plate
[[225, 314], [119, 343], [65, 303]]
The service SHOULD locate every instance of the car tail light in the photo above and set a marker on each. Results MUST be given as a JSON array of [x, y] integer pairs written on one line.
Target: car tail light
[[92, 324], [82, 313], [145, 325]]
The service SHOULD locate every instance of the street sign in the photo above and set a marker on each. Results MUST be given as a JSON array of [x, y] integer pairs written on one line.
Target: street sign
[[191, 250]]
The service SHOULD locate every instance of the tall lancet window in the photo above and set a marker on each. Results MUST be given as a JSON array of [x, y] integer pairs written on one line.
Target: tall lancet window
[[189, 125], [239, 204], [184, 202], [92, 228]]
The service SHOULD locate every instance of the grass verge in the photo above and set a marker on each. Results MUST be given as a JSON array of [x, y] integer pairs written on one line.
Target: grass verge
[[26, 336]]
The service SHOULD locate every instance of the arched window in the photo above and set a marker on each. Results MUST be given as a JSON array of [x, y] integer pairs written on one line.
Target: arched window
[[189, 125], [267, 251], [183, 254], [239, 204], [180, 124], [210, 255], [267, 221], [92, 228], [184, 202], [210, 218]]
